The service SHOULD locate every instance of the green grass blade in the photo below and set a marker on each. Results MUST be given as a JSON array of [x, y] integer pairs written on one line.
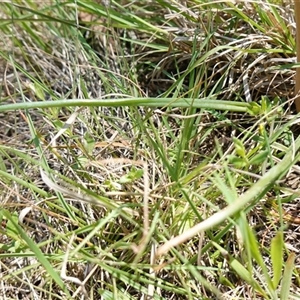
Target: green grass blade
[[205, 103], [287, 277], [38, 253], [277, 246]]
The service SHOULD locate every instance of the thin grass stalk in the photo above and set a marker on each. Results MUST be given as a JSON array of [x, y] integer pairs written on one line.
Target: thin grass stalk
[[204, 103]]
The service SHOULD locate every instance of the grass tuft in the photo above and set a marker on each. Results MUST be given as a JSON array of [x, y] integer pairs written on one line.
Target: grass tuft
[[148, 150]]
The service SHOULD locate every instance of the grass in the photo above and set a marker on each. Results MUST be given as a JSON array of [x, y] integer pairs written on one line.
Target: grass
[[149, 150]]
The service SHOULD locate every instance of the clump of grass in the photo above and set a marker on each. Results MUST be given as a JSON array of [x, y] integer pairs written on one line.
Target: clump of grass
[[144, 151]]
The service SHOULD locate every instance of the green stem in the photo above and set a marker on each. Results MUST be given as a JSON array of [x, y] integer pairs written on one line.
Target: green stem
[[204, 103]]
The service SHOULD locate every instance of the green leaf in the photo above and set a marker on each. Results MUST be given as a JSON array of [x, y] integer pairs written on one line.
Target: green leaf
[[277, 257], [2, 164], [36, 250], [89, 143], [10, 227], [287, 276], [240, 270], [37, 90], [229, 194], [225, 281], [259, 158], [237, 161], [254, 247], [254, 109], [239, 147], [255, 252], [265, 104], [133, 175]]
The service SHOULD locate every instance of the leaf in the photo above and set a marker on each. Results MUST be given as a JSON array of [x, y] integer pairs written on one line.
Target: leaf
[[277, 257], [36, 250], [256, 253], [89, 143], [265, 104], [259, 158], [133, 175], [239, 148], [287, 276], [37, 91], [240, 269], [237, 161], [254, 109], [254, 247]]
